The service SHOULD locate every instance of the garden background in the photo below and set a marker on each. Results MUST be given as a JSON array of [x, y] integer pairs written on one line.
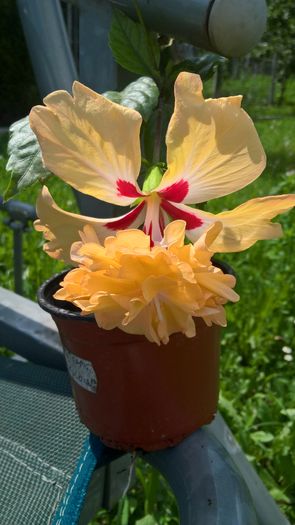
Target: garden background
[[258, 346]]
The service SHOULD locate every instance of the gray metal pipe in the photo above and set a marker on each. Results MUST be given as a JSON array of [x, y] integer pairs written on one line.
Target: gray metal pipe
[[97, 67], [53, 62], [48, 44], [183, 19], [228, 27]]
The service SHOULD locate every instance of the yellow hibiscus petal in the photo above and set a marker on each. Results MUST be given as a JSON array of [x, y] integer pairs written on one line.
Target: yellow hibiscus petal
[[90, 143], [143, 324], [108, 315], [174, 234], [251, 222], [241, 227], [212, 146], [219, 284], [202, 246], [208, 237], [217, 317], [135, 306], [92, 256], [196, 221], [148, 291], [131, 241], [61, 228], [173, 320], [74, 286]]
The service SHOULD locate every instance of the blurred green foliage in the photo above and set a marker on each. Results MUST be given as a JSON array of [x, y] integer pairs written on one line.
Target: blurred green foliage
[[278, 42]]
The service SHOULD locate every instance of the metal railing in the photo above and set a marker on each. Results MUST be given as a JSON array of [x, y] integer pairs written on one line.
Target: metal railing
[[18, 217]]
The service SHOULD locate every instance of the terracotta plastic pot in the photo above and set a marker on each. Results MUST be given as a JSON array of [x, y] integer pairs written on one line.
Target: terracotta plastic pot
[[130, 392]]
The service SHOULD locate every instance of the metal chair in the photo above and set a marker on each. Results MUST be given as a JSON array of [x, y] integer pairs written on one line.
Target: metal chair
[[41, 440], [40, 433]]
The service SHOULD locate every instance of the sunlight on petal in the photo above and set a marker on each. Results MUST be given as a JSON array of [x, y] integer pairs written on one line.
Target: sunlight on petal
[[197, 221], [152, 291], [203, 246], [251, 222], [61, 228], [211, 144], [90, 142], [174, 234]]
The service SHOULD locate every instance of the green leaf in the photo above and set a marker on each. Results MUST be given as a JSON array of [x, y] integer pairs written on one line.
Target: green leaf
[[141, 95], [228, 408], [152, 179], [261, 437], [204, 65], [114, 96], [150, 132], [122, 517], [147, 520], [25, 161], [133, 47], [279, 495], [289, 412], [125, 513], [152, 491]]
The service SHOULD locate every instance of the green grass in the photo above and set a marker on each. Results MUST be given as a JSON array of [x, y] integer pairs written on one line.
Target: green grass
[[257, 366], [255, 91]]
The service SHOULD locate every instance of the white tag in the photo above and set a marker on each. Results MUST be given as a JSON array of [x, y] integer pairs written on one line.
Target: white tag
[[81, 371]]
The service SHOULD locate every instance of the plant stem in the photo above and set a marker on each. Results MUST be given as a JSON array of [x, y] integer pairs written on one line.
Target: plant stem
[[158, 133]]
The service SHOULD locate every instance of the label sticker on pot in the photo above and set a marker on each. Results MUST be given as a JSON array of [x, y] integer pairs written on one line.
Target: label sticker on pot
[[81, 371]]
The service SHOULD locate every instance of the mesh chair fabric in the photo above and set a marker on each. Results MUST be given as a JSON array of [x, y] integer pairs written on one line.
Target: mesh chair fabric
[[40, 440]]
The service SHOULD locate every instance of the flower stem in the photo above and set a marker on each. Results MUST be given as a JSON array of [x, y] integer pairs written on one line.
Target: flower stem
[[158, 133]]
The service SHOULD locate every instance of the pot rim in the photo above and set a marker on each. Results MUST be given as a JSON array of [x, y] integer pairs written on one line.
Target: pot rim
[[62, 309], [58, 308]]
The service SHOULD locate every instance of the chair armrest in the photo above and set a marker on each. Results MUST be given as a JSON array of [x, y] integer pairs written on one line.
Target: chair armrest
[[214, 482], [29, 331]]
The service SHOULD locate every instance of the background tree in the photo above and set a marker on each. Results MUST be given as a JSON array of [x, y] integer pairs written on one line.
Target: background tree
[[278, 44]]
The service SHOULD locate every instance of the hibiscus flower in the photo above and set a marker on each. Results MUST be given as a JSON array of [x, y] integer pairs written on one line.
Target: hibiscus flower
[[154, 291], [213, 150]]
